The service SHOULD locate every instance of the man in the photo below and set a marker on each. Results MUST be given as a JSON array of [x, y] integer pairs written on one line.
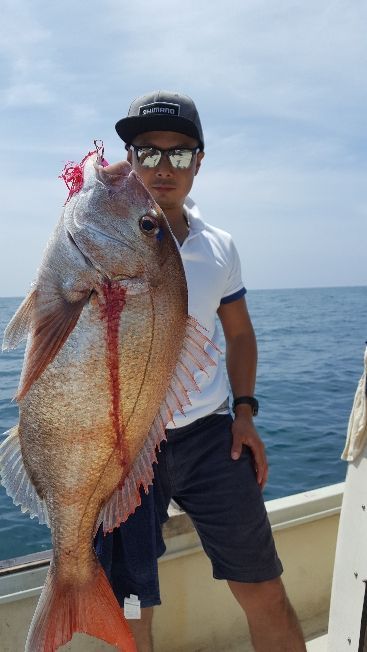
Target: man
[[214, 468]]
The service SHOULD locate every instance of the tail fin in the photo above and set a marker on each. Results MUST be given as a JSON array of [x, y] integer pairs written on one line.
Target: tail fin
[[92, 609]]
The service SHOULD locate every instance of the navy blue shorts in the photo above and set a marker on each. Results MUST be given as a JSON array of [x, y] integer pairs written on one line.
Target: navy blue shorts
[[223, 500]]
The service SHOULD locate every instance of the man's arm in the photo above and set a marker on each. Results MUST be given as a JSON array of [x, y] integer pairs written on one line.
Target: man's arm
[[241, 358]]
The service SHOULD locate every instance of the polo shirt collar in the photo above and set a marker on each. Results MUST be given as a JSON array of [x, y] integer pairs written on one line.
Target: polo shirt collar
[[192, 211]]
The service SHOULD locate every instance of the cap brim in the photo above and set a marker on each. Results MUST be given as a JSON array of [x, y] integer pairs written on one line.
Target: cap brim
[[128, 128]]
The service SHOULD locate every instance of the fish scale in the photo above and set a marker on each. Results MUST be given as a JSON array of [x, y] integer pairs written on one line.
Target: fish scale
[[111, 355]]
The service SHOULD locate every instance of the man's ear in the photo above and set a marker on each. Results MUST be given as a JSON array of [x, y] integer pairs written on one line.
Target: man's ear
[[199, 158], [129, 156]]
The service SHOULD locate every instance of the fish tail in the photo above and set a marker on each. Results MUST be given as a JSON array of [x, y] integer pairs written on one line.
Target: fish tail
[[91, 608]]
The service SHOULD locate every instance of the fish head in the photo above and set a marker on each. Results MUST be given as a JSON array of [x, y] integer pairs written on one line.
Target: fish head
[[117, 225]]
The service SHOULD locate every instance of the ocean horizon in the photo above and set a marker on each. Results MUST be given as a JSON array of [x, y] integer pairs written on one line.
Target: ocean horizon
[[311, 344], [250, 289]]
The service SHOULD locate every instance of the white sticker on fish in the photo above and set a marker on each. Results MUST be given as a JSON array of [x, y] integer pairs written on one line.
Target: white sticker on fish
[[132, 609]]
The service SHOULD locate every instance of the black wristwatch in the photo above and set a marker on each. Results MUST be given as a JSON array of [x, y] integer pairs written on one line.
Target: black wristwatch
[[246, 400]]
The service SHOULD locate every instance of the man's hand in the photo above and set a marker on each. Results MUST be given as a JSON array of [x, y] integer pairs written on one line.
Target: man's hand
[[245, 434], [241, 366]]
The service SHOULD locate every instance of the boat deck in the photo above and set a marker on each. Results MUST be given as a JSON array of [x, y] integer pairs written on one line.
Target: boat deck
[[199, 613], [318, 644]]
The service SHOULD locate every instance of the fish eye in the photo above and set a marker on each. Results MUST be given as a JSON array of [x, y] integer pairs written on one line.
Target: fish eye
[[149, 225]]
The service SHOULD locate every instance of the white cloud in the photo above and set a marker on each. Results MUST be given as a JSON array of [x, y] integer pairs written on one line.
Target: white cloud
[[280, 85], [23, 40], [23, 43], [83, 113], [20, 31], [276, 58], [24, 95]]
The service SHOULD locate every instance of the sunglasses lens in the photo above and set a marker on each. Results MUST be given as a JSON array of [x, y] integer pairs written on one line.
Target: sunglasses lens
[[181, 158], [148, 157]]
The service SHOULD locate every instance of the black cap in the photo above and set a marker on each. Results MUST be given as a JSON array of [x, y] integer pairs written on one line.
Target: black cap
[[161, 111]]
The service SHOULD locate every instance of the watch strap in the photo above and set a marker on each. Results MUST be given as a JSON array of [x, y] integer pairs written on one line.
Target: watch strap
[[246, 400]]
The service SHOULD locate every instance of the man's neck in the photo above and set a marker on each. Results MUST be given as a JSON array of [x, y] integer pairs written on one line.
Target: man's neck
[[178, 223]]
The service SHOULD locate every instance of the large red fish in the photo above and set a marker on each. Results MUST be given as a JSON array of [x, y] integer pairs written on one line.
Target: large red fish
[[111, 354]]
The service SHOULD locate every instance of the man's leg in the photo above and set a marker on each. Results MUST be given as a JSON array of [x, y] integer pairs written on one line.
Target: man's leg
[[226, 505], [142, 630], [129, 557], [272, 621]]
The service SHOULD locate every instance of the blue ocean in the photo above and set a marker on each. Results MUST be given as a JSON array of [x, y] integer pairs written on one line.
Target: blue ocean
[[311, 344]]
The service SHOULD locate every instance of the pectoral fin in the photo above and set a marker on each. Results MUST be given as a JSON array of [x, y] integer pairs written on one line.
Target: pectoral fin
[[19, 326], [52, 322]]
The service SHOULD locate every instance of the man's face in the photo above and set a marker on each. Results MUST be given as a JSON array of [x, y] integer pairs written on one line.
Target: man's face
[[168, 185]]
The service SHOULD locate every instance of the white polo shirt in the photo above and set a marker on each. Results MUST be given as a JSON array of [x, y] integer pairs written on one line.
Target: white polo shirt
[[213, 275]]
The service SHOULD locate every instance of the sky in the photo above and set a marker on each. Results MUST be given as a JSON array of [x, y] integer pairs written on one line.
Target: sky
[[281, 89]]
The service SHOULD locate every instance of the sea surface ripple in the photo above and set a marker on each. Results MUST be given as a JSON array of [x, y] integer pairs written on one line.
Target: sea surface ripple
[[311, 344]]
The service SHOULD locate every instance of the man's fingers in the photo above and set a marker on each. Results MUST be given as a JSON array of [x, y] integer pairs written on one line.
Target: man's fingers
[[261, 464], [258, 451], [236, 448]]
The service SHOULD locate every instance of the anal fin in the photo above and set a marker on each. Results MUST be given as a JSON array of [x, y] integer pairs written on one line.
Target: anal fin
[[16, 480]]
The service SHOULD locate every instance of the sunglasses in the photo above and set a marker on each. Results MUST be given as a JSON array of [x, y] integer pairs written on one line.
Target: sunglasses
[[180, 158]]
